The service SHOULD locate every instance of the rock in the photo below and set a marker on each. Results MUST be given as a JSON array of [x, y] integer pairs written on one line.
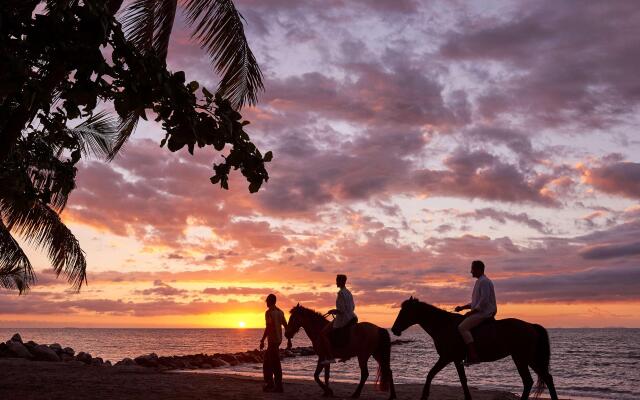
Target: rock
[[84, 357], [76, 363], [56, 347], [30, 344], [4, 350], [69, 351], [97, 361], [16, 338], [17, 349], [107, 363], [229, 358], [216, 363], [206, 366], [125, 362], [42, 352], [148, 360], [66, 357]]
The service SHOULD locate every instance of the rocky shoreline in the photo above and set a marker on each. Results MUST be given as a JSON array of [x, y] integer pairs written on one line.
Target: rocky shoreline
[[16, 348]]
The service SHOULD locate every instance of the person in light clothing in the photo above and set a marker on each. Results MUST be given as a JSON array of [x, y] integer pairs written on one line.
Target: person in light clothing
[[483, 306], [345, 318]]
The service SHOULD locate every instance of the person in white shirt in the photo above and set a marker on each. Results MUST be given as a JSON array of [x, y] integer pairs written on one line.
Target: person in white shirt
[[345, 317], [483, 306]]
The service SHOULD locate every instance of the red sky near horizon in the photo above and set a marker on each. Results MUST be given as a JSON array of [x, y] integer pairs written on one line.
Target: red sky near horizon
[[409, 139]]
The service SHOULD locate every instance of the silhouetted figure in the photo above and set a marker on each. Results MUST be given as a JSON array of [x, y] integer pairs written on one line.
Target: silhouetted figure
[[366, 340], [337, 333], [271, 367], [483, 307], [527, 344]]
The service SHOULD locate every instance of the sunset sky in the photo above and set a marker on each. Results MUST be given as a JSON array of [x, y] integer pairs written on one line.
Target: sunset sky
[[409, 138]]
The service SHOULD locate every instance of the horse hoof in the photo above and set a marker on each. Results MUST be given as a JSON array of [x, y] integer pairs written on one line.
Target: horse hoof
[[327, 393]]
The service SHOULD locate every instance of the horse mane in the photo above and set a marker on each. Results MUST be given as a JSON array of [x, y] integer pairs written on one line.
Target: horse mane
[[308, 312], [429, 308]]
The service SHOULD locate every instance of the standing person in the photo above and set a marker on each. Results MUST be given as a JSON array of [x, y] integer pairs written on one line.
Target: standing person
[[483, 306], [345, 317], [271, 367]]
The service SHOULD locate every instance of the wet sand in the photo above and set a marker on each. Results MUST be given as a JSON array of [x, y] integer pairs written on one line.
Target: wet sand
[[25, 380]]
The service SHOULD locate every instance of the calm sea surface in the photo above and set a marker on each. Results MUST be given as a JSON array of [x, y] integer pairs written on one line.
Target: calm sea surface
[[586, 363]]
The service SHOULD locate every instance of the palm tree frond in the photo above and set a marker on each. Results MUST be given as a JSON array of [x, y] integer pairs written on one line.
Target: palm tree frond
[[219, 29], [138, 23], [42, 226], [97, 135], [148, 24], [16, 271], [165, 14], [125, 128]]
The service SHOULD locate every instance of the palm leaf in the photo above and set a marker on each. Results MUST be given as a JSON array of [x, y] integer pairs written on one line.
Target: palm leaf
[[96, 136], [148, 24], [218, 27], [124, 130], [138, 23], [16, 271], [41, 226]]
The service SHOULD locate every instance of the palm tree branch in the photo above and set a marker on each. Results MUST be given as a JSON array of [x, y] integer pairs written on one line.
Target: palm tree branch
[[138, 23], [219, 29], [124, 130], [16, 271], [96, 136], [42, 226]]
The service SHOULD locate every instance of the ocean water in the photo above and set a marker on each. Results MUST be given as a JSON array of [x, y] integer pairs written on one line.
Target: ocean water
[[585, 363]]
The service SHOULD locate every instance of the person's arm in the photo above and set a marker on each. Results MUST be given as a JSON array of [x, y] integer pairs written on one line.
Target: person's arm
[[266, 331], [284, 323], [264, 336], [464, 307]]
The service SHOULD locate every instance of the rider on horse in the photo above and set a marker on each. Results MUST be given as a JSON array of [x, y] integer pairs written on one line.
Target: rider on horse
[[345, 318], [483, 307]]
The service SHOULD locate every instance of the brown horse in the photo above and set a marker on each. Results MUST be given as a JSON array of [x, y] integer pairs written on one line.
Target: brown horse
[[366, 340], [527, 344]]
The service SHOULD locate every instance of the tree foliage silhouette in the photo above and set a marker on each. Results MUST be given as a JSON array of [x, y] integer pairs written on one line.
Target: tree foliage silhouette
[[61, 61]]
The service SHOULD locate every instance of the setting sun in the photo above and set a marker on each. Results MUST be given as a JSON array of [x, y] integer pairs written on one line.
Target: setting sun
[[242, 324]]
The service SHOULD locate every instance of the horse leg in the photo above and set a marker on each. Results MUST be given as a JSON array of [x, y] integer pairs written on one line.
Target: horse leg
[[392, 387], [441, 363], [527, 380], [327, 374], [548, 380], [316, 377], [463, 379], [364, 374]]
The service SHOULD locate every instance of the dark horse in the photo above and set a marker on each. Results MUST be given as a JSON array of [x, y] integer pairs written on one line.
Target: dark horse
[[527, 344], [366, 340]]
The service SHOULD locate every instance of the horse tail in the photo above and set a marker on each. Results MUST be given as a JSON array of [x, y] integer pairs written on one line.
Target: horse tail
[[543, 356], [383, 355]]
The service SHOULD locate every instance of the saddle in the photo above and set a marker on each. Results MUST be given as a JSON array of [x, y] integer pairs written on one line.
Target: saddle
[[340, 336], [486, 330]]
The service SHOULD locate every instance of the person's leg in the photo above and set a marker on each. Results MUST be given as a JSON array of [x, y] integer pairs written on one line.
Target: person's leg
[[464, 328], [325, 336], [267, 370], [277, 366]]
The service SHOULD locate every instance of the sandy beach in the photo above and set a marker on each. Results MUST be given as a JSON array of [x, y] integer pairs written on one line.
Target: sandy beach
[[22, 379]]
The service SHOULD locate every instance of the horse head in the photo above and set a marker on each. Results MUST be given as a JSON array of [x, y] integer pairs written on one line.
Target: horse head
[[295, 322], [407, 316]]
